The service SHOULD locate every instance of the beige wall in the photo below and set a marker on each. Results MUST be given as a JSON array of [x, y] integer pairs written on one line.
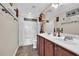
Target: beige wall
[[72, 28], [8, 34]]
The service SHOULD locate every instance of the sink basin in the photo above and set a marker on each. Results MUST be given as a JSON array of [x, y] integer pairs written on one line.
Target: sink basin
[[74, 41], [58, 38], [67, 41]]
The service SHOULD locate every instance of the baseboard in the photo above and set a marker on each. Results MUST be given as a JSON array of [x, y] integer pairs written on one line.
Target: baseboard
[[15, 51]]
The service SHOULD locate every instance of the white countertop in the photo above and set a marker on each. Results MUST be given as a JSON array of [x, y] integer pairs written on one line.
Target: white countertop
[[71, 47]]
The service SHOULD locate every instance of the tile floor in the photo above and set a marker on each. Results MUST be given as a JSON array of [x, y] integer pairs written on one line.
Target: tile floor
[[26, 51]]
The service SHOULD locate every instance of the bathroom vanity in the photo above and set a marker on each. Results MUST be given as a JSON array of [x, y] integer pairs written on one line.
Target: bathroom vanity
[[48, 45]]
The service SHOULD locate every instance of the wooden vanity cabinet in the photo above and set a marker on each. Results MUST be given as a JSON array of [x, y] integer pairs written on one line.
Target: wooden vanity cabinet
[[40, 46], [49, 48]]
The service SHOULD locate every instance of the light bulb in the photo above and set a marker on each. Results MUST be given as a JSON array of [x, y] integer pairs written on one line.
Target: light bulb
[[55, 5]]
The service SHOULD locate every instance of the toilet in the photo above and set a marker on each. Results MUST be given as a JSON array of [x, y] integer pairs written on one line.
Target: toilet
[[34, 43]]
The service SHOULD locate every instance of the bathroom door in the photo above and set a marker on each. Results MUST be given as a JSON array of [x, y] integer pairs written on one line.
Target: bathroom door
[[29, 32]]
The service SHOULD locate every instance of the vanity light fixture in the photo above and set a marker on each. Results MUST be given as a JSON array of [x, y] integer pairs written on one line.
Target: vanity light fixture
[[5, 10]]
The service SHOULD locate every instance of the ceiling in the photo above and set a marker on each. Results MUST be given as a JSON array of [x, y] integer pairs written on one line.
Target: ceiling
[[32, 9]]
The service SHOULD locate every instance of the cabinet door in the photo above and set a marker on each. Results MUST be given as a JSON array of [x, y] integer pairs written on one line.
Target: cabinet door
[[65, 52], [62, 52], [38, 44], [58, 51], [49, 48], [41, 46]]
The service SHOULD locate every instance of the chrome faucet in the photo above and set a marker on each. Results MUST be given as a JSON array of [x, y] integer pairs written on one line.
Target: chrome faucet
[[68, 38]]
